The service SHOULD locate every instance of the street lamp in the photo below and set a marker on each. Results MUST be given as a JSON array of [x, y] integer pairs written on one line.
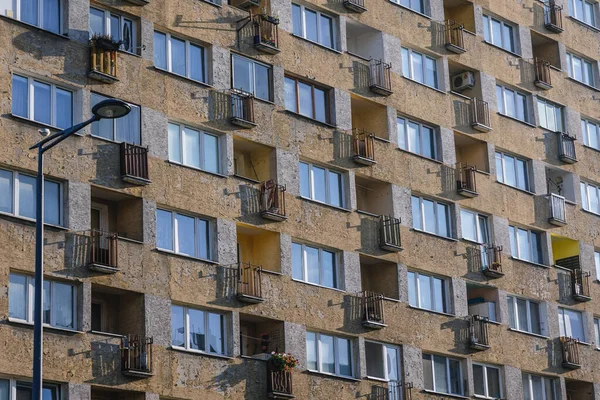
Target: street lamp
[[111, 108]]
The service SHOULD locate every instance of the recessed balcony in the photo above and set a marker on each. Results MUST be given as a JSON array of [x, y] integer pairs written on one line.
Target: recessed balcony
[[478, 333], [454, 33], [136, 356]]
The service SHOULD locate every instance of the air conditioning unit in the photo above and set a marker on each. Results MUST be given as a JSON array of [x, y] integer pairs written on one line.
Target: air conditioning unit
[[464, 81]]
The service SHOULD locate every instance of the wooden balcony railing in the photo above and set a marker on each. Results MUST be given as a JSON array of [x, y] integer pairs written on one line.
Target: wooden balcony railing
[[363, 147], [136, 356], [355, 5], [542, 74], [372, 310], [103, 251], [454, 37], [553, 16], [488, 260], [480, 115], [266, 34], [566, 148], [272, 201], [389, 233], [478, 332], [580, 285], [103, 64], [557, 210], [466, 183], [380, 78], [249, 284], [279, 383], [134, 164], [242, 109], [570, 352]]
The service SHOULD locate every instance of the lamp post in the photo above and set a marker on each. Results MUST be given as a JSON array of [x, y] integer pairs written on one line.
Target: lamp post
[[111, 108]]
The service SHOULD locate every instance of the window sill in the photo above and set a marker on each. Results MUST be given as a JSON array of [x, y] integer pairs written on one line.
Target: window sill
[[325, 204], [591, 148], [125, 239], [253, 358], [317, 44], [326, 375], [243, 178], [503, 49], [197, 169], [310, 119], [529, 262], [172, 253], [584, 24], [317, 285], [529, 333], [411, 10], [17, 321], [455, 396], [435, 235], [267, 271], [108, 334], [583, 84], [35, 123], [32, 221], [374, 378], [432, 311], [420, 156], [590, 212], [37, 28], [517, 120], [213, 4], [423, 84], [516, 188], [358, 56], [200, 353], [182, 77]]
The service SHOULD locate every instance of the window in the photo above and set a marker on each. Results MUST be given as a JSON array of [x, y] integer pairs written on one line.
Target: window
[[60, 301], [118, 27], [415, 5], [474, 227], [416, 138], [551, 116], [590, 197], [512, 103], [442, 374], [583, 10], [512, 171], [179, 57], [431, 216], [252, 77], [427, 292], [525, 244], [383, 361], [15, 390], [597, 264], [198, 330], [314, 265], [329, 354], [183, 234], [571, 324], [597, 332], [498, 33], [46, 14], [194, 148], [524, 315], [536, 387], [591, 133], [487, 380], [419, 67], [124, 129], [321, 184], [314, 26], [17, 197], [580, 69], [306, 99], [42, 102]]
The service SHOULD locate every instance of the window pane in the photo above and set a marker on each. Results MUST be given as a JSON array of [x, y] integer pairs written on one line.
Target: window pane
[[174, 143], [374, 354], [211, 153], [496, 32], [297, 19], [185, 234], [203, 239], [51, 203], [574, 321], [401, 127], [589, 73], [290, 95], [430, 72], [105, 127], [526, 387], [455, 382], [312, 264], [29, 11], [328, 269], [41, 106], [20, 90], [164, 230], [344, 356], [127, 36], [414, 144], [128, 127], [114, 27], [427, 372], [507, 37], [17, 296], [441, 376], [96, 22], [63, 295], [593, 198], [536, 247], [511, 313], [412, 289], [243, 78], [542, 114], [442, 219], [304, 180], [478, 380], [522, 315], [310, 20], [536, 383], [577, 73], [468, 227], [178, 56], [191, 147], [262, 88], [593, 136], [311, 351], [510, 102], [320, 105], [177, 326], [486, 28], [160, 50], [405, 63], [335, 188], [64, 108], [417, 67], [493, 381], [500, 99], [215, 334], [429, 213], [197, 63], [4, 389], [438, 295], [514, 250], [416, 213], [549, 388], [326, 31], [197, 330], [6, 191], [46, 302], [327, 355], [428, 139], [319, 187], [523, 242], [305, 95], [27, 192], [425, 292], [521, 107], [534, 311], [297, 267], [499, 169], [509, 171]]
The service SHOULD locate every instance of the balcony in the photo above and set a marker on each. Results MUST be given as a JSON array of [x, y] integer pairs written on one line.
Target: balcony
[[465, 180], [553, 17], [372, 310], [279, 383], [389, 233], [136, 356], [478, 333], [580, 285], [395, 390], [570, 353], [357, 6], [249, 283], [488, 260], [566, 148], [116, 311], [266, 34], [454, 37], [103, 59], [134, 164], [380, 80], [542, 74], [242, 109], [480, 115], [363, 147], [260, 336], [557, 210], [272, 201], [103, 252]]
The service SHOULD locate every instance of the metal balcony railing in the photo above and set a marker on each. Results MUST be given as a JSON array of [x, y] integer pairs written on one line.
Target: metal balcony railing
[[478, 332], [363, 147], [570, 352], [389, 233], [455, 41], [380, 78], [242, 109], [136, 356], [103, 64], [103, 251], [480, 115], [372, 310], [249, 284], [488, 260], [580, 285], [266, 33], [557, 210], [466, 183], [272, 201], [553, 16], [355, 5], [134, 164], [542, 74], [279, 383], [394, 390], [566, 148]]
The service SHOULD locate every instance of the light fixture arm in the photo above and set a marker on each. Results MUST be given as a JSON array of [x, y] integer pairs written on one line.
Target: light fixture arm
[[62, 135]]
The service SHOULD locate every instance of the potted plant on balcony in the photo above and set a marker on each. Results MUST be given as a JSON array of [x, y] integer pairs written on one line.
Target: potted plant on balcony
[[282, 362], [105, 42]]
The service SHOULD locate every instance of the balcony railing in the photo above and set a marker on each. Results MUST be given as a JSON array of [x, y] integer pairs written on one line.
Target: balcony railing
[[553, 16], [466, 183], [389, 233], [372, 310], [242, 109], [363, 147], [103, 252], [557, 210], [355, 5], [380, 78], [249, 284], [266, 34], [394, 390], [279, 383], [566, 148], [488, 260], [454, 37], [480, 115], [542, 74], [272, 201], [134, 164], [136, 356], [478, 332], [103, 64], [570, 352], [580, 285]]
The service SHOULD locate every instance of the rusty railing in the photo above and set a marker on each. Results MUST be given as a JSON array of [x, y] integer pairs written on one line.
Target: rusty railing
[[557, 209], [272, 200], [480, 114], [553, 16], [372, 307], [566, 148], [363, 145], [570, 352], [355, 5], [278, 382], [249, 280], [103, 249], [454, 34], [580, 284], [134, 161], [266, 33], [394, 390], [136, 355], [478, 332], [242, 107], [389, 233], [380, 78], [103, 60], [466, 178], [542, 73]]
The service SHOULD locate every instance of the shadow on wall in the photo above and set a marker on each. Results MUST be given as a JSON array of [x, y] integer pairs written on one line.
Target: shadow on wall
[[542, 211], [250, 199], [438, 36], [539, 19], [251, 372], [448, 179], [460, 328], [106, 363], [352, 305], [361, 75], [554, 352], [369, 236], [225, 17], [227, 280], [565, 291], [462, 115], [342, 146], [527, 71], [108, 166]]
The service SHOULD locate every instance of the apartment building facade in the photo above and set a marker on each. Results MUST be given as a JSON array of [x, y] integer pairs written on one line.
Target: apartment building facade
[[402, 194]]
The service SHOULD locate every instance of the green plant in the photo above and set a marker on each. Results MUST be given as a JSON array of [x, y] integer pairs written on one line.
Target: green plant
[[283, 362], [105, 42]]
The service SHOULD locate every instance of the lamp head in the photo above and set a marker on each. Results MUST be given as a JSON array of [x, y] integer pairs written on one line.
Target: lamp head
[[45, 132], [111, 108]]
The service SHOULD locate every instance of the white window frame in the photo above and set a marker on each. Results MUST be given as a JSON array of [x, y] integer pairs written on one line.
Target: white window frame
[[450, 224], [582, 18], [186, 326], [422, 3], [526, 112], [597, 332], [336, 268], [585, 188], [597, 264], [188, 65], [478, 232], [14, 383], [421, 127], [528, 303], [311, 185], [460, 372], [553, 109], [563, 323], [585, 131], [335, 354], [16, 14], [182, 128], [411, 72], [384, 349], [122, 19], [543, 394], [30, 302], [583, 61], [334, 25], [485, 380], [532, 249], [175, 235], [501, 155], [488, 20], [445, 296], [253, 81], [114, 121]]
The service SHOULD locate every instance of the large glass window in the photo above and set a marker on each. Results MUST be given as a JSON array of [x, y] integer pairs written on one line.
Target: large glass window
[[498, 33], [252, 77], [512, 103], [329, 354], [306, 99], [580, 69], [321, 184], [183, 234], [590, 131], [487, 381], [597, 332], [124, 129], [431, 216], [198, 330], [584, 11], [314, 265], [590, 197], [314, 26], [42, 102], [551, 115], [415, 5], [419, 67], [512, 171], [597, 264], [526, 244], [571, 324], [474, 226], [179, 56], [524, 315], [442, 374], [416, 138], [537, 387], [118, 27], [194, 148], [428, 292], [45, 14]]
